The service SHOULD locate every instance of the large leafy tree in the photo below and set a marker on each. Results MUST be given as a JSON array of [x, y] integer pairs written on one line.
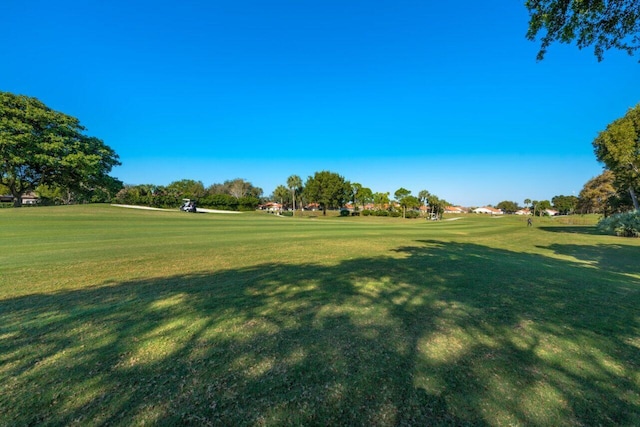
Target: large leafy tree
[[600, 196], [40, 146], [328, 189], [565, 204], [188, 188], [508, 206], [618, 147], [603, 24], [237, 188]]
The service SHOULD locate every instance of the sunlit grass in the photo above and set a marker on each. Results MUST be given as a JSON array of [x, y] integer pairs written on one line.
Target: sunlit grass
[[113, 316]]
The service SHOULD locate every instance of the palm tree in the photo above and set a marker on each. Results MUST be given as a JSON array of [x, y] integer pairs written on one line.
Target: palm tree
[[294, 182], [423, 196], [280, 193]]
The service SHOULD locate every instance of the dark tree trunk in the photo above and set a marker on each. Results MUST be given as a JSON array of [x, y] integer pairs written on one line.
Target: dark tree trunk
[[634, 198]]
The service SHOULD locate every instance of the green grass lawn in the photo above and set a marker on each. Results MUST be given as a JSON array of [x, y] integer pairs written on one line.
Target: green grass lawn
[[111, 316]]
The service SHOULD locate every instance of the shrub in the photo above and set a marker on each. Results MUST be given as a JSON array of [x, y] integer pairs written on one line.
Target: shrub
[[248, 203], [624, 224], [366, 212], [344, 212], [411, 214]]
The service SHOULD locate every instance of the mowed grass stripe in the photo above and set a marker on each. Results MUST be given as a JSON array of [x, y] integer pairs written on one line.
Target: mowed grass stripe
[[123, 317]]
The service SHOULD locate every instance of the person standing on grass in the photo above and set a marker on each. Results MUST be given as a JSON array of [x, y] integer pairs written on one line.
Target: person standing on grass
[[529, 222]]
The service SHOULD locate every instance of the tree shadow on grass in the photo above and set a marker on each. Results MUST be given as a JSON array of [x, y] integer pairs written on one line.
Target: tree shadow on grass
[[576, 229], [621, 258], [433, 334]]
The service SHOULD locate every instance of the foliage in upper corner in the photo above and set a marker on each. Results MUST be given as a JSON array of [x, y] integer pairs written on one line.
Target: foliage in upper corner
[[624, 224], [603, 24]]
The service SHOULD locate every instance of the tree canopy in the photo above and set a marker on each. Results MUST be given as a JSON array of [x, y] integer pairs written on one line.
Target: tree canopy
[[40, 146], [603, 24], [596, 192], [361, 195], [565, 205], [187, 188], [618, 147], [507, 206], [401, 194], [328, 189]]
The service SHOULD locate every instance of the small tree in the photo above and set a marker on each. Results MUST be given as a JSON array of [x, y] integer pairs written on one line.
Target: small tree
[[381, 200], [436, 205], [281, 193], [410, 202], [400, 194], [362, 195]]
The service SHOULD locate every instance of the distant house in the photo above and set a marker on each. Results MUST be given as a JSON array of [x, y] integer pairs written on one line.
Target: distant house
[[27, 199], [454, 210], [551, 212], [488, 210], [524, 211], [271, 207], [30, 199]]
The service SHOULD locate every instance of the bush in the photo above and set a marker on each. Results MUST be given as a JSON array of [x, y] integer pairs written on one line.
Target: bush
[[411, 214], [366, 212], [344, 212], [624, 224]]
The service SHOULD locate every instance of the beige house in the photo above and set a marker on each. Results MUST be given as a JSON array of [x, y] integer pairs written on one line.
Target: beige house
[[488, 210]]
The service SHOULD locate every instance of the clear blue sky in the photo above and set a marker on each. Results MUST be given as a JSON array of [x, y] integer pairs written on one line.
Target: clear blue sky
[[442, 96]]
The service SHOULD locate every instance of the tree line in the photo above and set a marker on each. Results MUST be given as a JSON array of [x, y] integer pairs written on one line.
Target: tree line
[[330, 190], [48, 152], [236, 195]]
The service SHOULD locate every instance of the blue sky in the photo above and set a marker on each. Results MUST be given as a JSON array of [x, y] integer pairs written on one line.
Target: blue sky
[[442, 96]]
